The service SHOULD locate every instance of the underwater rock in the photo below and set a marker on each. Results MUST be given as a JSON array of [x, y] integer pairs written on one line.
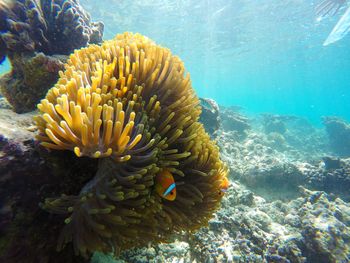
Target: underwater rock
[[268, 162], [4, 104], [296, 231], [27, 174], [331, 177], [264, 169], [14, 128], [30, 78], [293, 133], [177, 251], [311, 143], [274, 123], [338, 134], [325, 227], [210, 116], [233, 120], [51, 27], [32, 33], [331, 163], [302, 230], [277, 141], [293, 128]]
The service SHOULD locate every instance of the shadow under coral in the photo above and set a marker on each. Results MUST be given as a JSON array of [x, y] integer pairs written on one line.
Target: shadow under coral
[[28, 233]]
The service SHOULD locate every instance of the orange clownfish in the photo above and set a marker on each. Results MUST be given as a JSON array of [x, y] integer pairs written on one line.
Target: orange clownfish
[[224, 186], [165, 185]]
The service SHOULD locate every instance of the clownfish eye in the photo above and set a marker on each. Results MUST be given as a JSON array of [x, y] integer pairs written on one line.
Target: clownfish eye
[[171, 193]]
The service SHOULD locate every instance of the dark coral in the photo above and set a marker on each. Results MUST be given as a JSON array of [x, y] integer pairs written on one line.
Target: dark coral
[[29, 79], [210, 116], [28, 173], [51, 27], [130, 104], [28, 27], [338, 134]]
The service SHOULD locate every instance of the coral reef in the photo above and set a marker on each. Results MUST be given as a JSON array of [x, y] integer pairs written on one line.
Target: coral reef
[[4, 104], [28, 174], [29, 79], [304, 137], [288, 131], [331, 175], [268, 162], [210, 116], [233, 120], [275, 123], [29, 27], [299, 231], [311, 228], [51, 27], [130, 104], [255, 162], [339, 135]]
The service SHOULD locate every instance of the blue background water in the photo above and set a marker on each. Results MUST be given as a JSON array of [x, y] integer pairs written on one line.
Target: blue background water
[[266, 56]]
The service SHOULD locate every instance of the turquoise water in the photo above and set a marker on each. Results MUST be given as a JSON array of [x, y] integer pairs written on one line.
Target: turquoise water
[[5, 66], [266, 56]]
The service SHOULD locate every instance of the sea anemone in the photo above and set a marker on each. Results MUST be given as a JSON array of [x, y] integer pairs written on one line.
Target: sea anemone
[[130, 103]]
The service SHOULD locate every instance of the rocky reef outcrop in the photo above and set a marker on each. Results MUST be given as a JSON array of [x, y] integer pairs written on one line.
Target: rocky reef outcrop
[[275, 123], [29, 79], [28, 173], [294, 132], [330, 174], [267, 162], [210, 116], [256, 163], [50, 27], [37, 36], [311, 228], [338, 131], [233, 120]]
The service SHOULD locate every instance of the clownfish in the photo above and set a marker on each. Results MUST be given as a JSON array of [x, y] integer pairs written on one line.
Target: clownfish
[[165, 185], [224, 186]]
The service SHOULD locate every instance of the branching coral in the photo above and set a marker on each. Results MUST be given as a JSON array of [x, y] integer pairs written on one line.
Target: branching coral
[[130, 103]]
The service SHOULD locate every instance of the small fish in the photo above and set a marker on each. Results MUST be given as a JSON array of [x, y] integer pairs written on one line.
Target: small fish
[[224, 186], [165, 185]]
